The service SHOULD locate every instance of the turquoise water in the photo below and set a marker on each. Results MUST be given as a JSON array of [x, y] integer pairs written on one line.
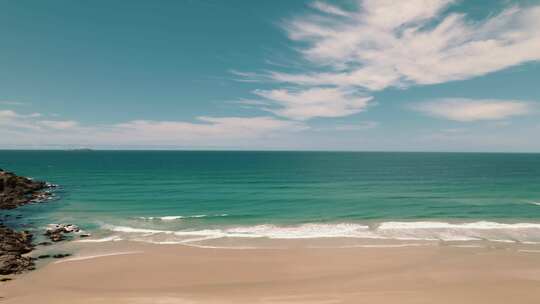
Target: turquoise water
[[180, 195]]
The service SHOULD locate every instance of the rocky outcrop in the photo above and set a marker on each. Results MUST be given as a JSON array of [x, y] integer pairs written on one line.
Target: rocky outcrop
[[14, 192], [56, 232], [13, 245]]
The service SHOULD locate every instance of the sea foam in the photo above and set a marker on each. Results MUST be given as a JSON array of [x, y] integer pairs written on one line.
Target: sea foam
[[179, 217], [482, 230], [525, 233]]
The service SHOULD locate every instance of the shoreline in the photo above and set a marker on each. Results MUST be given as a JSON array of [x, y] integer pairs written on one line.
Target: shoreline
[[130, 272], [348, 233], [17, 191], [212, 257]]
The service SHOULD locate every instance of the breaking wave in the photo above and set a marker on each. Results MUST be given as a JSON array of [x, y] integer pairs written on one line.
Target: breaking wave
[[526, 233], [179, 217]]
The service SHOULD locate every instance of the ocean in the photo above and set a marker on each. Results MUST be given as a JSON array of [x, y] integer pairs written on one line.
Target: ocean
[[196, 197]]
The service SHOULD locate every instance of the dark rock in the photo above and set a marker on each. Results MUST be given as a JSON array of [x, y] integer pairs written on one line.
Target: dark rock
[[14, 263], [13, 245], [17, 190], [5, 279], [56, 232], [12, 241], [57, 237], [44, 256], [45, 243], [58, 228], [14, 192], [71, 228], [61, 255]]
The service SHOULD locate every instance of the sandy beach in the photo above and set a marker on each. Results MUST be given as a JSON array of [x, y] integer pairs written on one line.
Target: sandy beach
[[128, 272], [270, 152]]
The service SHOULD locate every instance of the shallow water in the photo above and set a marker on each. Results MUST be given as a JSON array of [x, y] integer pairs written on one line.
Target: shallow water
[[197, 196]]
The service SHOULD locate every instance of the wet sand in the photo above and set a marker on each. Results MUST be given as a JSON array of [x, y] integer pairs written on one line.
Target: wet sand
[[124, 272]]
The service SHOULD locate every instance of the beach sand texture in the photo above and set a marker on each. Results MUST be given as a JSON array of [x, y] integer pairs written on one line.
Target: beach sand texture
[[129, 272]]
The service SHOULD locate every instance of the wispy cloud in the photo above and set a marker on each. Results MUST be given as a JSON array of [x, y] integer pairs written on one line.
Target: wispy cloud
[[466, 110], [329, 9], [29, 129], [59, 124], [10, 114], [11, 103], [399, 43], [314, 102], [34, 122], [206, 128], [384, 43], [363, 125], [359, 126]]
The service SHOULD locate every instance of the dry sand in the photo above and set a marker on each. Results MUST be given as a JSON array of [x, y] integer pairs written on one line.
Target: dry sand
[[145, 273]]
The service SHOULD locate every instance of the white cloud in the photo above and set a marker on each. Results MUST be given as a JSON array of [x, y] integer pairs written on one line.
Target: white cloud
[[329, 9], [314, 102], [9, 114], [207, 128], [248, 76], [359, 126], [10, 120], [21, 129], [33, 121], [11, 103], [398, 43], [365, 125], [386, 43], [59, 124], [467, 110]]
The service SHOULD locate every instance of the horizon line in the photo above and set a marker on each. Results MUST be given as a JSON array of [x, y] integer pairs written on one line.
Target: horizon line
[[257, 150]]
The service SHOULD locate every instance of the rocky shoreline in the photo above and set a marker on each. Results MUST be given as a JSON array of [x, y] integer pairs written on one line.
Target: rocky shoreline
[[12, 248], [16, 191]]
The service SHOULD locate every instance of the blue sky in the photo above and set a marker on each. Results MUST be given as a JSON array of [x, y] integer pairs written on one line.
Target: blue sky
[[417, 75]]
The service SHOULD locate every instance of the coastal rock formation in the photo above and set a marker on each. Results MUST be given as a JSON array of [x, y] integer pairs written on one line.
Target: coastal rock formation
[[56, 232], [13, 245], [14, 192]]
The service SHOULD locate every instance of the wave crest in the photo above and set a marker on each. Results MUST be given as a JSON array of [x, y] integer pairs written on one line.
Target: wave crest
[[422, 231], [179, 217]]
